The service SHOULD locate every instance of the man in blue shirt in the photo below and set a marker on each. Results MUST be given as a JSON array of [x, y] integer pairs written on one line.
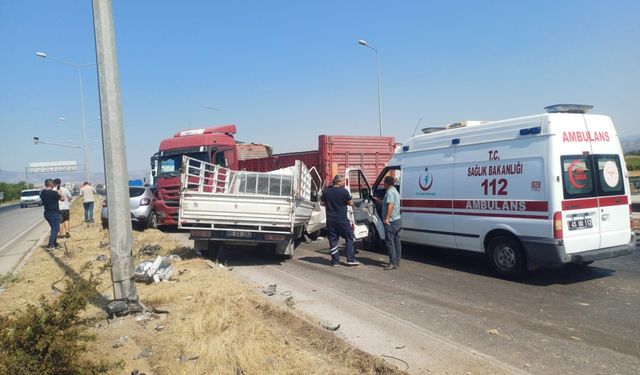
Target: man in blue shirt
[[336, 199], [50, 201], [392, 223]]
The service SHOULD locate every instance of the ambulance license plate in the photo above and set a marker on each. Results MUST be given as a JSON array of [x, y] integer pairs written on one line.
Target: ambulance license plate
[[580, 224], [238, 234]]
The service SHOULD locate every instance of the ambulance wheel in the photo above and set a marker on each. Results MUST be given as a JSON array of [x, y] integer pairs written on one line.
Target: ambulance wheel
[[506, 257]]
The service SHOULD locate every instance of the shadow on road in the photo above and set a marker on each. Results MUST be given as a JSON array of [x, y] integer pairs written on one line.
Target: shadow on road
[[477, 264]]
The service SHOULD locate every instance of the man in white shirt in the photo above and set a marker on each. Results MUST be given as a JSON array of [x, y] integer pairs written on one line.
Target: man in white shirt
[[88, 197], [65, 206]]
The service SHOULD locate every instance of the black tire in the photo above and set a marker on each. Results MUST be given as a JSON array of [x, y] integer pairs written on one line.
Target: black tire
[[506, 257], [153, 220], [212, 249]]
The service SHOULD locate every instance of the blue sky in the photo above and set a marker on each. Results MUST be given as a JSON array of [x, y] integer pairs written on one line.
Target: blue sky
[[286, 71]]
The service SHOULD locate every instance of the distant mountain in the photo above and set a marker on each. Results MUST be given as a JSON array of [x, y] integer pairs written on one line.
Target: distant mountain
[[72, 177], [630, 143]]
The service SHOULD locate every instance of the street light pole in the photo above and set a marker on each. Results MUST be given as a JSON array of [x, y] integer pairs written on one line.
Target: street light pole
[[363, 42], [84, 124]]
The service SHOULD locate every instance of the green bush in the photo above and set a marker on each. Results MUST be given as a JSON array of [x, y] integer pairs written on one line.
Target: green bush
[[12, 191], [632, 162], [50, 337]]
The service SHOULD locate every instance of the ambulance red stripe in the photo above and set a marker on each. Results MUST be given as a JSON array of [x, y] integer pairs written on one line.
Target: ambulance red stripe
[[580, 204]]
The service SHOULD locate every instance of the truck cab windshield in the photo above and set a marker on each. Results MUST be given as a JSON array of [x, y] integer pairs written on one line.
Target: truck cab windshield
[[170, 165]]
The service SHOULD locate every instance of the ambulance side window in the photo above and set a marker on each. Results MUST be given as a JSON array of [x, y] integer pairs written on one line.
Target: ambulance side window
[[577, 176], [610, 177]]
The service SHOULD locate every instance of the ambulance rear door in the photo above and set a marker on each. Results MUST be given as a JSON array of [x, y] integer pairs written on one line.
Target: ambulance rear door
[[611, 184]]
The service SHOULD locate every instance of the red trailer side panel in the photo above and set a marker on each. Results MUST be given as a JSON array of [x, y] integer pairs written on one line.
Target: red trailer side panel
[[259, 165], [309, 158], [368, 153]]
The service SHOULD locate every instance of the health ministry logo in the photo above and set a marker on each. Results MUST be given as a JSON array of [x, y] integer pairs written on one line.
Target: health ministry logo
[[425, 181]]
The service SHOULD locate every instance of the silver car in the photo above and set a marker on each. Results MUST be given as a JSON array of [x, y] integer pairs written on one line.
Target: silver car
[[30, 197], [141, 200]]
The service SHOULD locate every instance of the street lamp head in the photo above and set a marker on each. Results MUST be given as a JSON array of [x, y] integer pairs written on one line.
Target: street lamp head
[[363, 42], [41, 54]]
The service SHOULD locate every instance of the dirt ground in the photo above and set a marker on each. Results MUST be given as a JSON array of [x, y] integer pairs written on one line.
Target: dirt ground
[[202, 321]]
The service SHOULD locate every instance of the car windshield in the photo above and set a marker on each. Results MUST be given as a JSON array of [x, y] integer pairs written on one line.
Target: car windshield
[[30, 193]]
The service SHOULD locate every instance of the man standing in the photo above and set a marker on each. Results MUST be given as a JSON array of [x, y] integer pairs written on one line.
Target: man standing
[[65, 206], [88, 197], [336, 199], [50, 199], [392, 223]]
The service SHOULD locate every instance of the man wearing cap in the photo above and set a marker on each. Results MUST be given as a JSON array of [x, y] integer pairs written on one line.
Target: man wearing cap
[[336, 199]]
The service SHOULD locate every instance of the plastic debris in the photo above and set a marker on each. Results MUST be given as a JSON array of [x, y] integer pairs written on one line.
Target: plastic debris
[[271, 290], [156, 270], [102, 258], [143, 354], [119, 342], [175, 258], [184, 358], [330, 326]]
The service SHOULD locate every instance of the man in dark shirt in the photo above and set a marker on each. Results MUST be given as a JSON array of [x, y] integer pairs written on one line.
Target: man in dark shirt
[[50, 199], [336, 199]]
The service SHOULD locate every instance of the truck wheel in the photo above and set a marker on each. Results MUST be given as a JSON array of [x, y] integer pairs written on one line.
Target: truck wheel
[[208, 249], [286, 250], [506, 257], [153, 220]]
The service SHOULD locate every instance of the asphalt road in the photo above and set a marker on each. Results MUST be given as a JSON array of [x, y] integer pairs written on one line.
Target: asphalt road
[[20, 229], [554, 321]]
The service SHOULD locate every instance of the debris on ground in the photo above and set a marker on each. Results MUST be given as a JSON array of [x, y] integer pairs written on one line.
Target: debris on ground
[[289, 302], [184, 358], [271, 290], [119, 342], [153, 270], [330, 326], [493, 332], [144, 354], [102, 258]]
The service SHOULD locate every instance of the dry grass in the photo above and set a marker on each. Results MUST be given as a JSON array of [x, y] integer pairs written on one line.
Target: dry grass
[[214, 319]]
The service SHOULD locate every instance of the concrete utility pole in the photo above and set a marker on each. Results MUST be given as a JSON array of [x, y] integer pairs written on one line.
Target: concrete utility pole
[[115, 160]]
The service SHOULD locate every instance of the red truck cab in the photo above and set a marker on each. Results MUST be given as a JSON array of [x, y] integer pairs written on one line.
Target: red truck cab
[[213, 145]]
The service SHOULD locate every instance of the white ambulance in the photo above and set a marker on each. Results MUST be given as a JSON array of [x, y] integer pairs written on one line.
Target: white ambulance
[[530, 191]]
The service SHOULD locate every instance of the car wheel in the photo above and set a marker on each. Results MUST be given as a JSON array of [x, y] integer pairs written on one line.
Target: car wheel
[[506, 257], [153, 220]]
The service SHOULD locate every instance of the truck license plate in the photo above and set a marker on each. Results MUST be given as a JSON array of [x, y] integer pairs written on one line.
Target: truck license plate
[[580, 224], [238, 234]]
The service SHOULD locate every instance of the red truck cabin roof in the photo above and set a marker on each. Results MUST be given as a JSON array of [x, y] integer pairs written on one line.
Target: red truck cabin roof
[[215, 135]]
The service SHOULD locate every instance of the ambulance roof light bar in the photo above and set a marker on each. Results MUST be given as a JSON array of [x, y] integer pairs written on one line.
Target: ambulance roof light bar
[[569, 108]]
